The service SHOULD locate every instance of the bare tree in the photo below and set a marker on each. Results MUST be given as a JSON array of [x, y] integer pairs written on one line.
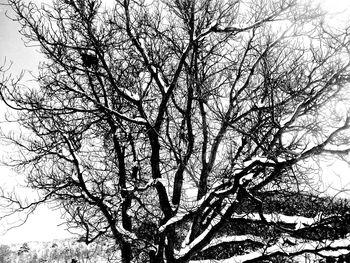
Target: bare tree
[[176, 128]]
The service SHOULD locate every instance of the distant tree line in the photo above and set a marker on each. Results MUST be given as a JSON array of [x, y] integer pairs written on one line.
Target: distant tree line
[[53, 252]]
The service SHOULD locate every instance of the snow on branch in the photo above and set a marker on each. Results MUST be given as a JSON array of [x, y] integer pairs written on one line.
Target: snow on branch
[[131, 95], [184, 211], [323, 247], [204, 235], [178, 217], [193, 207], [229, 239], [125, 232], [299, 221], [289, 119], [215, 27]]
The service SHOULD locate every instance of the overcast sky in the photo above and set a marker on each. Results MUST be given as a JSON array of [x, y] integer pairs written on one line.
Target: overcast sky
[[43, 225]]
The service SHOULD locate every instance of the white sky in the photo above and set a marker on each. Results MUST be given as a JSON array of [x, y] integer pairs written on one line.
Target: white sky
[[43, 224]]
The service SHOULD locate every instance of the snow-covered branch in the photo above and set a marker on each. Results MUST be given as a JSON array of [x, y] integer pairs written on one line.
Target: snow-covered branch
[[203, 236], [230, 239], [282, 247], [299, 221]]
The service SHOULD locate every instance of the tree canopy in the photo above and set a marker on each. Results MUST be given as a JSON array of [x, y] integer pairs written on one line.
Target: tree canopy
[[176, 129]]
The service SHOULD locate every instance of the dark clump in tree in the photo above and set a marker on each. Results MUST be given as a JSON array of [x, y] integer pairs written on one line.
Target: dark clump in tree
[[188, 129], [23, 249], [89, 60]]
